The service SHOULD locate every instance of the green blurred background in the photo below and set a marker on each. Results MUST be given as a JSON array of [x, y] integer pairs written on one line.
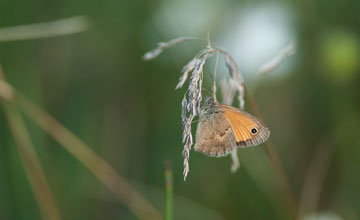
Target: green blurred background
[[96, 84]]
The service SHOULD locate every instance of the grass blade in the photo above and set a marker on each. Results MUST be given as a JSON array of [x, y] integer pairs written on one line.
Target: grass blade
[[45, 30], [87, 157], [99, 167], [315, 177], [281, 177], [30, 162]]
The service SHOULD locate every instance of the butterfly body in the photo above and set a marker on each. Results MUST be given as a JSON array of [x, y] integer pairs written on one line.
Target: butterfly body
[[223, 128]]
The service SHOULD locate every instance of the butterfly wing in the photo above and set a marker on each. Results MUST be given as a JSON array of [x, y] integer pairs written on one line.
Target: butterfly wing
[[214, 136], [248, 130]]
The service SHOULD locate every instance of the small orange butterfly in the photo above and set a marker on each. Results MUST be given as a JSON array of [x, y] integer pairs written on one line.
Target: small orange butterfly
[[222, 128]]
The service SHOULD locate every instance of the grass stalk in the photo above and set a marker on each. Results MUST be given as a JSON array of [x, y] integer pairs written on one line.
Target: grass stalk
[[281, 177], [56, 28], [127, 194], [314, 180], [83, 153], [30, 162]]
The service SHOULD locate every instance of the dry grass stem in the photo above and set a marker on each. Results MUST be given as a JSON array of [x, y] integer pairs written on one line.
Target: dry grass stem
[[227, 92], [83, 153], [236, 79], [277, 59], [45, 30], [310, 194], [99, 167], [31, 164], [5, 90], [169, 190], [164, 45], [186, 70], [191, 104], [281, 178], [214, 78], [29, 159]]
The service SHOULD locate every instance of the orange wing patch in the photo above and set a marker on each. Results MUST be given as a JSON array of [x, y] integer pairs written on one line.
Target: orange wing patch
[[241, 124]]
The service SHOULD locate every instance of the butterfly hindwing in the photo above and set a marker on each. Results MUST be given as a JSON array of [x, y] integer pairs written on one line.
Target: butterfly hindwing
[[215, 136]]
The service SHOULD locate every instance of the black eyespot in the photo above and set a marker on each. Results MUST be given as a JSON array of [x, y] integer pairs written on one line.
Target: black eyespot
[[253, 130]]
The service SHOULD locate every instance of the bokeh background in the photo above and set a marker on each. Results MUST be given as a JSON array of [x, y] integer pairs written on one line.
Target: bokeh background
[[96, 84]]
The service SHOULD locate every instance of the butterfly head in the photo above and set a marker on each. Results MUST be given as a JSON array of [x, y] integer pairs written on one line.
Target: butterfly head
[[209, 106]]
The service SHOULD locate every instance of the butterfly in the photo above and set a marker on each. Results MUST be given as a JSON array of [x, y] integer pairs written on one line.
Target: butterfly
[[223, 128]]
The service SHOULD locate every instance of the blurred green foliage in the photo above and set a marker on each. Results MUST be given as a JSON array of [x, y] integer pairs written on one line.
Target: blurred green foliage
[[96, 84]]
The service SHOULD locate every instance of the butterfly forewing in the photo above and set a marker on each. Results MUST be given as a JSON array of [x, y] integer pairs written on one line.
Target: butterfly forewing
[[248, 130]]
